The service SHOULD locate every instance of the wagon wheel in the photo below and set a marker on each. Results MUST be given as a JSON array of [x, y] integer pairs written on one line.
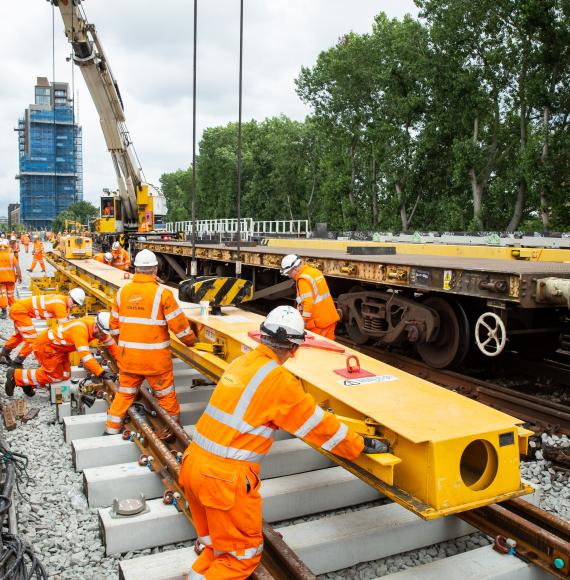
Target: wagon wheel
[[355, 334], [451, 343], [490, 334]]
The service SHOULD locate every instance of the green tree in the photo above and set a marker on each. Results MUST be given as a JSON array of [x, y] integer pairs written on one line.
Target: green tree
[[80, 212]]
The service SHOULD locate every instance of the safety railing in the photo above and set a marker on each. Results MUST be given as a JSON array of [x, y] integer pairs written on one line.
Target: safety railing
[[249, 228]]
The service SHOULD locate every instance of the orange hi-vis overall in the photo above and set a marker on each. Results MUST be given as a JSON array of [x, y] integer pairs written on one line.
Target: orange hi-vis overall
[[141, 317], [25, 239], [25, 310], [8, 273], [53, 347], [101, 258], [38, 256], [121, 259], [220, 468], [315, 302]]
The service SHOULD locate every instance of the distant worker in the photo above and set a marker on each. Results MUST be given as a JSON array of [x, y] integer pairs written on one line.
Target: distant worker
[[141, 317], [9, 274], [42, 307], [314, 299], [14, 247], [49, 237], [220, 469], [144, 227], [58, 237], [104, 258], [121, 258], [53, 347], [108, 210], [37, 255], [26, 242]]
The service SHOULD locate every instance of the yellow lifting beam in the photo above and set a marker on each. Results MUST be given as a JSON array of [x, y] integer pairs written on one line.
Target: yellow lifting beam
[[448, 453]]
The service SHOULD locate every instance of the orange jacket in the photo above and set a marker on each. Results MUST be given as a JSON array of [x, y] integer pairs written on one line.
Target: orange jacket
[[8, 266], [141, 316], [38, 249], [72, 336], [255, 396], [314, 299], [121, 259], [101, 258], [43, 306]]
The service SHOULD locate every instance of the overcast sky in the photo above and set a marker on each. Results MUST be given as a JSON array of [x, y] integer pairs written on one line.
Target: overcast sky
[[149, 48]]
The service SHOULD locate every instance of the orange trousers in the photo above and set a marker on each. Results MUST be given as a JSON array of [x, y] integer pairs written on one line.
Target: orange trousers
[[162, 387], [39, 260], [24, 332], [55, 366], [7, 294], [224, 499], [327, 332]]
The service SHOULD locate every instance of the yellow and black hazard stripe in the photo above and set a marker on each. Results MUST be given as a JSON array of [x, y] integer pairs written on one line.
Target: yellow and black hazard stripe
[[217, 291]]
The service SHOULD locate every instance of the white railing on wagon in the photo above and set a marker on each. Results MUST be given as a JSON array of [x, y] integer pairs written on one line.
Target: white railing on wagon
[[249, 228]]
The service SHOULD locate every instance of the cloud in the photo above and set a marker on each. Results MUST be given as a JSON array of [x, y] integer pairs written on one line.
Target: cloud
[[149, 47]]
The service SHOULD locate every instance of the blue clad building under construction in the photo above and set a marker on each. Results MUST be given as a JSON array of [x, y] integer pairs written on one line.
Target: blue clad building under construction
[[50, 153]]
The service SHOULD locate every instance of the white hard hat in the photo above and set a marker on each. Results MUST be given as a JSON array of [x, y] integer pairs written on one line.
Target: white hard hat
[[145, 259], [284, 323], [116, 246], [108, 257], [103, 321], [12, 238], [3, 242], [36, 236], [289, 262], [78, 296]]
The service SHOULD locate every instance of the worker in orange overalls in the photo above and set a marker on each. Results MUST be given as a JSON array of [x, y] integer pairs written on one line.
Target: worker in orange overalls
[[314, 299], [9, 274], [53, 347], [121, 258], [25, 239], [15, 247], [40, 307], [220, 469], [104, 258], [143, 313], [38, 255]]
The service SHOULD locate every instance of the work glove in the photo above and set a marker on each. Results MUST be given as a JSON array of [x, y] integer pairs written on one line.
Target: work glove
[[107, 376], [374, 446]]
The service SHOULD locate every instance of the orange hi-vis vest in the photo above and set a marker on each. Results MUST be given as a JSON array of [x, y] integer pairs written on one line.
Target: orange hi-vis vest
[[43, 306], [143, 313], [256, 396], [76, 335], [314, 299], [121, 259], [7, 266], [38, 249]]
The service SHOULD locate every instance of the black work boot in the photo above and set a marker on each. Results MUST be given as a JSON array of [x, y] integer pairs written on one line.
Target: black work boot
[[5, 357], [18, 362], [29, 390], [3, 313], [10, 383]]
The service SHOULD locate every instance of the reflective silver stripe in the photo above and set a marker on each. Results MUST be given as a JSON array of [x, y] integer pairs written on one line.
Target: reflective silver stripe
[[128, 390], [248, 553], [108, 341], [223, 451], [114, 418], [322, 297], [87, 357], [193, 575], [43, 302], [305, 295], [336, 438], [51, 336], [173, 314], [183, 333], [156, 303], [306, 314], [144, 345], [147, 321], [112, 430], [114, 314], [237, 423], [318, 297], [33, 377], [312, 282], [252, 387], [206, 540], [82, 348], [24, 328], [118, 296], [164, 392], [310, 423], [24, 335], [114, 332]]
